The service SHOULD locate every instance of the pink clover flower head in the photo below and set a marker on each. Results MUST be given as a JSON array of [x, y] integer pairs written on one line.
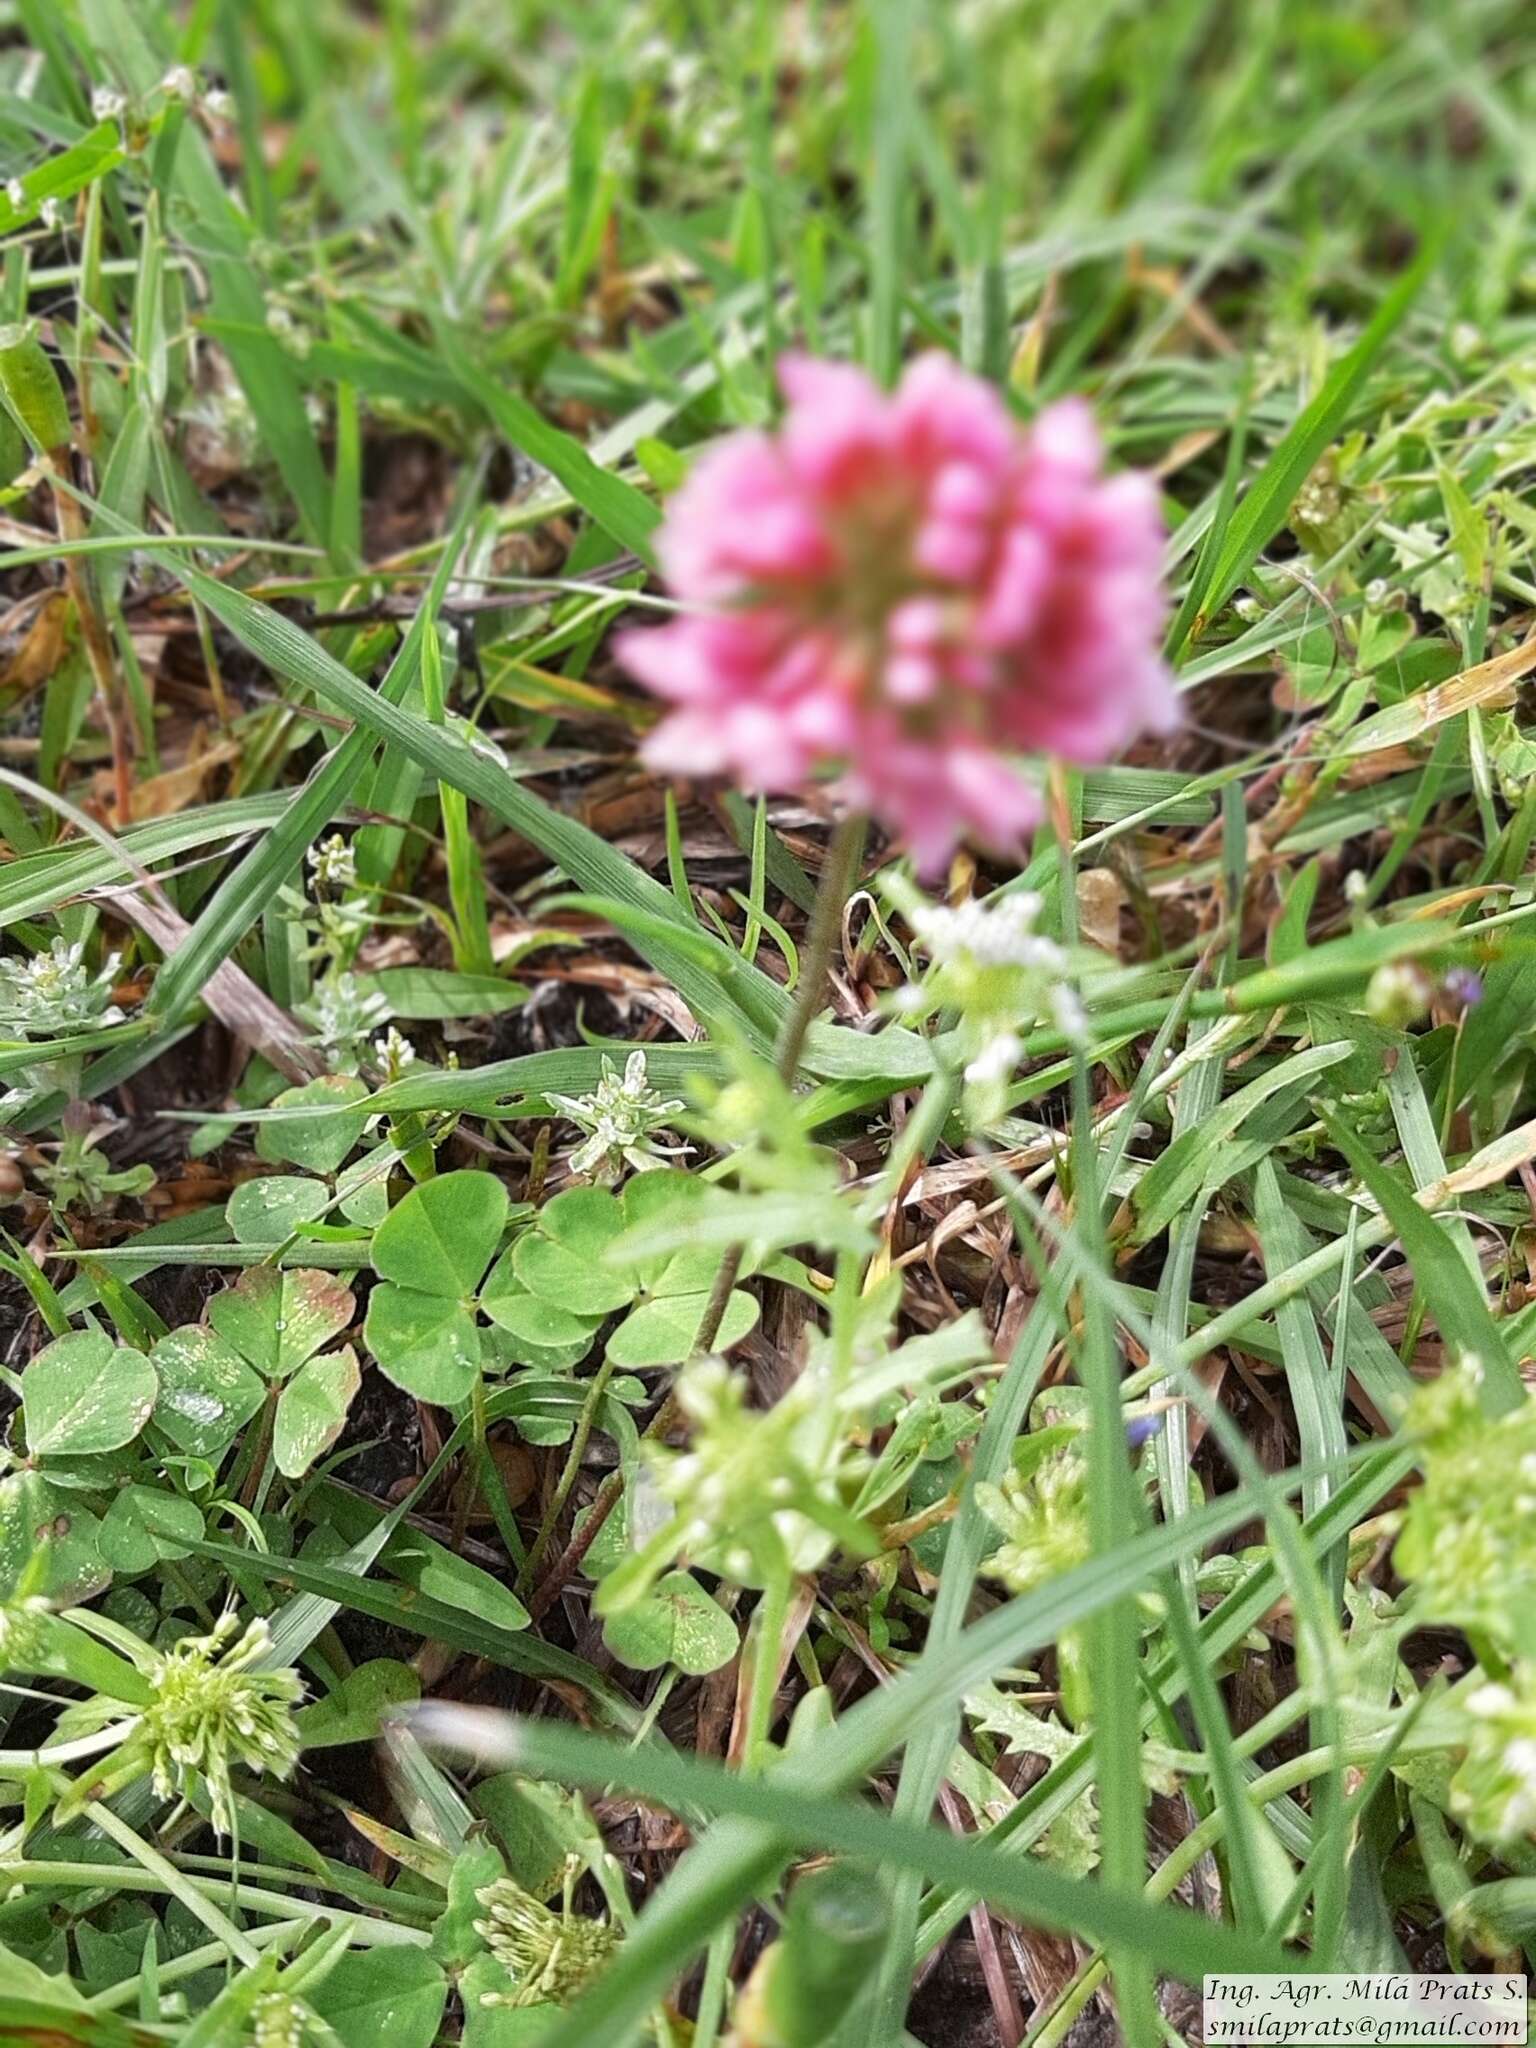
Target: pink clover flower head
[[915, 588]]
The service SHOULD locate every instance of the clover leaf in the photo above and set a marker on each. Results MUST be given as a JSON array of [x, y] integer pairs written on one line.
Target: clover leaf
[[268, 1210], [276, 1320], [312, 1410], [48, 1541], [569, 1272], [146, 1526], [207, 1391], [264, 1331], [430, 1254], [677, 1622], [84, 1393], [322, 1141]]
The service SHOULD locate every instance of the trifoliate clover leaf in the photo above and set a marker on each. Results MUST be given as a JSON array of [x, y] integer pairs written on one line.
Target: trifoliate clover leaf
[[677, 1623], [277, 1319], [572, 1269], [430, 1254], [84, 1393]]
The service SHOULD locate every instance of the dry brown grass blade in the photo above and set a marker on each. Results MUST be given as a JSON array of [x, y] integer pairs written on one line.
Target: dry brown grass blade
[[1491, 682], [230, 993]]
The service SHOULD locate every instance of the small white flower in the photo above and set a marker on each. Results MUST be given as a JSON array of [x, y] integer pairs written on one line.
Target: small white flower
[[333, 864], [998, 934], [106, 104], [619, 1117], [16, 193], [990, 971], [219, 104], [394, 1053], [180, 83], [1397, 994], [1071, 1017], [50, 213], [996, 1060]]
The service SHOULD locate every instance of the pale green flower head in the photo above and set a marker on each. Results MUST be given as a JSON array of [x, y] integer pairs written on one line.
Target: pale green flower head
[[1494, 1792], [278, 2021], [549, 1956], [1043, 1517], [757, 1490], [54, 994], [344, 1016], [1469, 1532], [621, 1118], [213, 1708]]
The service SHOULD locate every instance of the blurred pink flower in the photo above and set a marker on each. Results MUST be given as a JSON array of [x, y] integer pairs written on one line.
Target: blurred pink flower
[[915, 588]]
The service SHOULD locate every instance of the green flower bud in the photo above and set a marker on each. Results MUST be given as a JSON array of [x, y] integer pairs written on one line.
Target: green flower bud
[[31, 388]]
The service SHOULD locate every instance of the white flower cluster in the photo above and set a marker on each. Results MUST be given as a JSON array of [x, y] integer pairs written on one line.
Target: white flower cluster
[[1494, 1791], [53, 994], [343, 1016], [394, 1053], [990, 934], [989, 965], [620, 1118]]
